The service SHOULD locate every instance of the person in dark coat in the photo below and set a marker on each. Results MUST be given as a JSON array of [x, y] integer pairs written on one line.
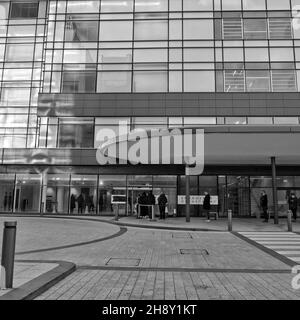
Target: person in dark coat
[[90, 203], [80, 201], [264, 205], [206, 205], [72, 203], [150, 202], [142, 202], [162, 202], [293, 205]]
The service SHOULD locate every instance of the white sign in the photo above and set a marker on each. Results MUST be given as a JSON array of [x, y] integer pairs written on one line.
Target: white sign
[[198, 200]]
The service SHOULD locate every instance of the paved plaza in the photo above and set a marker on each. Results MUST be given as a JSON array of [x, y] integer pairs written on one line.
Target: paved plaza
[[133, 262]]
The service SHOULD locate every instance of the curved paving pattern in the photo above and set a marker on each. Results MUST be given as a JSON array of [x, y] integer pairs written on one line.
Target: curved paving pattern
[[36, 234]]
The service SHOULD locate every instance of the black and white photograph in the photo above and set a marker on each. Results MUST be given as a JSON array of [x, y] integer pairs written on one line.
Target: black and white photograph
[[149, 154]]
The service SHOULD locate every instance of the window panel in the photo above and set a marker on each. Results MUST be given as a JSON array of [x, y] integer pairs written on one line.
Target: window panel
[[198, 121], [150, 81], [116, 6], [286, 120], [75, 133], [256, 54], [278, 4], [258, 81], [281, 54], [255, 28], [24, 10], [80, 56], [280, 28], [198, 29], [236, 120], [91, 6], [77, 30], [151, 30], [21, 31], [234, 80], [284, 80], [153, 6], [17, 75], [233, 54], [197, 55], [74, 81], [199, 81], [175, 30], [15, 96], [232, 28], [19, 52], [150, 55], [115, 31], [231, 5], [114, 81], [254, 5], [175, 81], [196, 5], [260, 120]]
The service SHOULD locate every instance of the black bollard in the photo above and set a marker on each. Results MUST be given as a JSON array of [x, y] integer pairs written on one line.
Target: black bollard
[[8, 254], [229, 220], [289, 221]]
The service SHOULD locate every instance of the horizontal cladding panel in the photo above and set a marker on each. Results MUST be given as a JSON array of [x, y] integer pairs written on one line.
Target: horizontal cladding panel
[[220, 149], [201, 104]]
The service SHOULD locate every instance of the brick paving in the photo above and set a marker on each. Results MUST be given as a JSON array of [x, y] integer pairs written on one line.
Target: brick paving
[[239, 224], [25, 272], [151, 264], [158, 285]]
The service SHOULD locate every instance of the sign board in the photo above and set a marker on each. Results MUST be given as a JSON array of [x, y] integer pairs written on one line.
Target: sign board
[[197, 200], [118, 199]]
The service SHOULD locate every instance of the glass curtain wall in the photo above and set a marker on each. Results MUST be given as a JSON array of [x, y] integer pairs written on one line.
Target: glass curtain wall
[[171, 46], [22, 31]]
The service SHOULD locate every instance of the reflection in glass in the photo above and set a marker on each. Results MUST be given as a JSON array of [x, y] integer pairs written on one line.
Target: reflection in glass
[[75, 133], [28, 192], [7, 187], [83, 194]]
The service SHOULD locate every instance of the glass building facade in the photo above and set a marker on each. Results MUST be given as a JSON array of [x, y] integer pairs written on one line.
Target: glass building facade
[[57, 56]]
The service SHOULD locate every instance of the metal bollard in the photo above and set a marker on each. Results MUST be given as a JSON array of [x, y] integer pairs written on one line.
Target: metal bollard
[[153, 213], [117, 213], [229, 220], [289, 221], [8, 254]]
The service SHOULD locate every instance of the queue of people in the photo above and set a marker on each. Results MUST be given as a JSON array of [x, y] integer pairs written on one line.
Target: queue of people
[[83, 202], [146, 203], [292, 201]]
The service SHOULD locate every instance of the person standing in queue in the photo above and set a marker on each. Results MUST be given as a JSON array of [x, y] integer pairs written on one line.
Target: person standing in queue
[[206, 205], [162, 202], [143, 203], [72, 203], [264, 205], [150, 202], [293, 205], [80, 201]]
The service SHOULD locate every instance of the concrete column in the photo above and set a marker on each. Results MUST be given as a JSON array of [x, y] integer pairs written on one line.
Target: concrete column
[[187, 197], [44, 192], [274, 187], [60, 199]]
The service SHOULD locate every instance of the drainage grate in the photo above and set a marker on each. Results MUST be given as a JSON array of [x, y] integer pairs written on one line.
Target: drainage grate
[[182, 235], [123, 262], [202, 252]]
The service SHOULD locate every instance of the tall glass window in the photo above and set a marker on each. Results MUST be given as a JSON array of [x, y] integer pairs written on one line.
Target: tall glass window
[[24, 10], [76, 133]]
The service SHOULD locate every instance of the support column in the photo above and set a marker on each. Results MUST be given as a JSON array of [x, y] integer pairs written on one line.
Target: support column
[[274, 186], [187, 196], [44, 191]]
